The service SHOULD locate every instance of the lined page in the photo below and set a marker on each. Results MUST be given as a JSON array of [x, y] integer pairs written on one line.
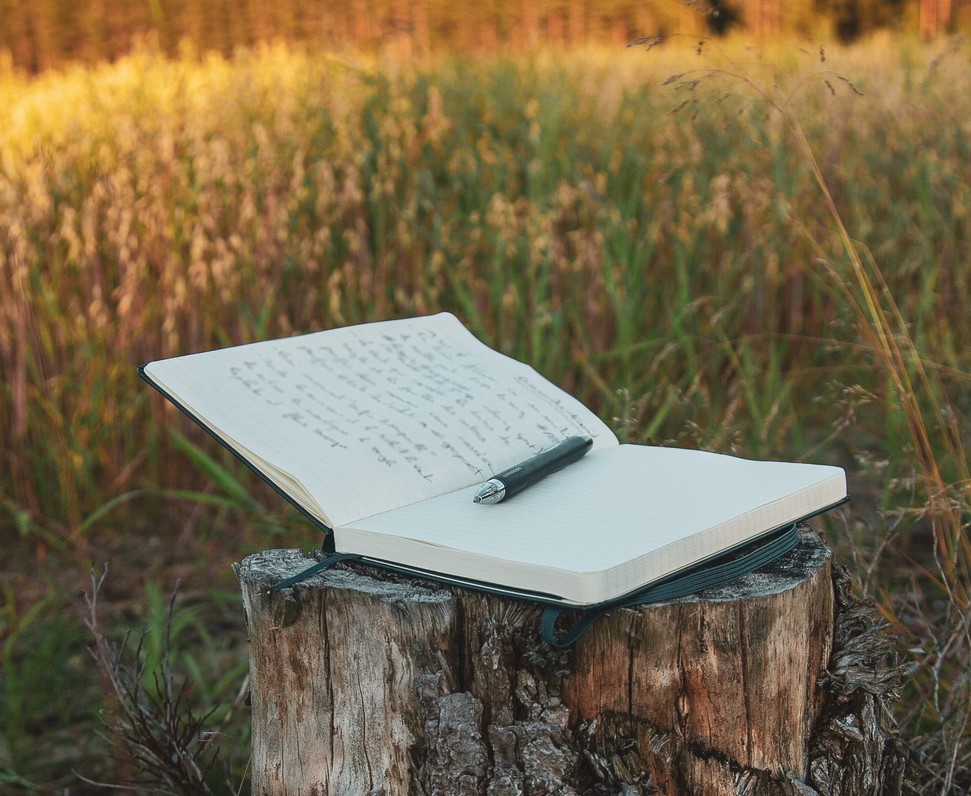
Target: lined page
[[362, 419], [603, 526]]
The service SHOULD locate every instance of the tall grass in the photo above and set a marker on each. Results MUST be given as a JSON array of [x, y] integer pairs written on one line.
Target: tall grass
[[782, 273], [919, 400]]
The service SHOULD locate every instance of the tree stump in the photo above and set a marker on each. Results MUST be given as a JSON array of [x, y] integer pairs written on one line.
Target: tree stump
[[367, 683]]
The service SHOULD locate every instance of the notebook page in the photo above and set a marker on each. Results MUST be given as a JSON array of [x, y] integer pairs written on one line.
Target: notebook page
[[370, 417], [621, 517]]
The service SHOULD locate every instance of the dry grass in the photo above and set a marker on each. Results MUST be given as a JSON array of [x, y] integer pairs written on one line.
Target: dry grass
[[730, 249]]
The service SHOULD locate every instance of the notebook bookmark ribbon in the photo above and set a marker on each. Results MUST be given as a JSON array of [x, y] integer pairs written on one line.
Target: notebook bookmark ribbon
[[310, 571]]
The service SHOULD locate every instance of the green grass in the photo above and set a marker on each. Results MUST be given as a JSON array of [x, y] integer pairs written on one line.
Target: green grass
[[749, 257]]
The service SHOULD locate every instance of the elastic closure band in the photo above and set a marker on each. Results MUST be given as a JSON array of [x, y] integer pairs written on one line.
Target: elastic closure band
[[706, 576]]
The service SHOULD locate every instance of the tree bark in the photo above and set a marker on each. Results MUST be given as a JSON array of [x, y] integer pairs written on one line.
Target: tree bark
[[366, 683]]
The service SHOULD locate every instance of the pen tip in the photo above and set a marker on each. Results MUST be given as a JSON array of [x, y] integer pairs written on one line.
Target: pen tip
[[490, 492]]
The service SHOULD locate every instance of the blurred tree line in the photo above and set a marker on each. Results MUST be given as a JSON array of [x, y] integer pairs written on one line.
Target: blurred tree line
[[38, 34]]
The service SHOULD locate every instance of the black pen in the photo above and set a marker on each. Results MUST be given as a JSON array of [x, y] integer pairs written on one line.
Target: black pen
[[516, 479]]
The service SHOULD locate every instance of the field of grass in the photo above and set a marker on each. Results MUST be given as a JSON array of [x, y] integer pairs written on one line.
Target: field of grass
[[761, 252]]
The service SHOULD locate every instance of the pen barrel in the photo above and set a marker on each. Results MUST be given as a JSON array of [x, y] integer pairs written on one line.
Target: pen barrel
[[543, 464]]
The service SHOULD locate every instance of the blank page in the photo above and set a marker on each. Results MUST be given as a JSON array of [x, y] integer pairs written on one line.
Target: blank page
[[613, 521]]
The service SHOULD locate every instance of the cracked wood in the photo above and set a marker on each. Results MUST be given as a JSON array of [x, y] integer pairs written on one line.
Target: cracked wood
[[366, 683]]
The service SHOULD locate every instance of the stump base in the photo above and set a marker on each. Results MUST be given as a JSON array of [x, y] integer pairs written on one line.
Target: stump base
[[366, 683]]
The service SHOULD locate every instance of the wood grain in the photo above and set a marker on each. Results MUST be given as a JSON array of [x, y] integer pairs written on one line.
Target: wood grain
[[366, 683]]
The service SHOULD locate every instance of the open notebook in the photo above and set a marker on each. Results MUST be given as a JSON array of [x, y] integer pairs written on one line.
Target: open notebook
[[381, 433]]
